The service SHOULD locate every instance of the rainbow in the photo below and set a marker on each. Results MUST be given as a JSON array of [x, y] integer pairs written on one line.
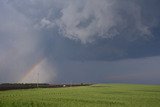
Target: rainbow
[[31, 70]]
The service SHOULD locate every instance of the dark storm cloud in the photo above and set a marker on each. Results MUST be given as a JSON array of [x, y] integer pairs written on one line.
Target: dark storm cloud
[[144, 70], [101, 30], [73, 30]]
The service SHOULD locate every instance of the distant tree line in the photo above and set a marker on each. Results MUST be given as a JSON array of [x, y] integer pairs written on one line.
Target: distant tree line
[[14, 86]]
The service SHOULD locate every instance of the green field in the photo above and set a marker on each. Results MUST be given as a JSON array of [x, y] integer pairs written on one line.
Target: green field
[[100, 95]]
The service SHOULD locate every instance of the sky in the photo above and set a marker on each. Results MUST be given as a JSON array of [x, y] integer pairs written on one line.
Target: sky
[[80, 41]]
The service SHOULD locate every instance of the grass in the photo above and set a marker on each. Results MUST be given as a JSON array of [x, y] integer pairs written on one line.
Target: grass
[[100, 95]]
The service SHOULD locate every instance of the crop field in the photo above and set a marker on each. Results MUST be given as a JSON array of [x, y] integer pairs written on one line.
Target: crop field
[[100, 95]]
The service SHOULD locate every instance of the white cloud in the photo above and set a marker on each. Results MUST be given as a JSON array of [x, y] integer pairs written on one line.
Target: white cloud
[[45, 23], [104, 18]]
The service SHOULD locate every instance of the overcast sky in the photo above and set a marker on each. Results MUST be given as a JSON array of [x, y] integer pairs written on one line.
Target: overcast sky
[[73, 41]]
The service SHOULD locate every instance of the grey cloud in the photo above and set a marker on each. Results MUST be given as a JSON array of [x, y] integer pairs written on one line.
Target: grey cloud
[[145, 70], [105, 19], [114, 26], [19, 46], [85, 20], [77, 30], [115, 23]]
